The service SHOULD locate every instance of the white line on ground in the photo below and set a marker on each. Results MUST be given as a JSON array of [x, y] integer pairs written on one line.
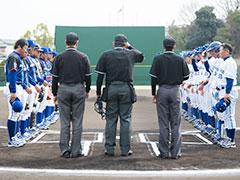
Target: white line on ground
[[148, 145], [155, 148], [114, 173], [37, 138], [203, 139], [142, 138], [193, 143], [118, 137], [86, 147]]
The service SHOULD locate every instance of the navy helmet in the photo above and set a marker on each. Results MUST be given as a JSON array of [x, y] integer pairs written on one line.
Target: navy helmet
[[214, 45], [221, 106]]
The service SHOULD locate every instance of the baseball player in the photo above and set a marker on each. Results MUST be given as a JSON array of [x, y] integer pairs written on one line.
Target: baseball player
[[15, 89], [227, 79], [41, 115], [208, 85], [33, 80], [50, 106], [39, 75]]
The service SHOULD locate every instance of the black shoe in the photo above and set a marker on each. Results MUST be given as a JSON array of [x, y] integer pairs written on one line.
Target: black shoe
[[129, 153], [178, 156], [162, 157], [66, 154], [109, 154], [78, 155]]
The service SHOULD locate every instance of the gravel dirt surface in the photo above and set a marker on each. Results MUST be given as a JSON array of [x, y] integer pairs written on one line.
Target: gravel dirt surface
[[197, 154]]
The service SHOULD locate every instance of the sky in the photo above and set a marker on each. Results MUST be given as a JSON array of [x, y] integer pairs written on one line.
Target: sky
[[18, 16]]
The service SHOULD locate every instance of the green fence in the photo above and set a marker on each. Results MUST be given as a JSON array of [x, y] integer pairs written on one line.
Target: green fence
[[2, 76], [95, 40]]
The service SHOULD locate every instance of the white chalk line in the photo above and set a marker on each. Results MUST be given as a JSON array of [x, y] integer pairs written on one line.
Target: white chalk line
[[144, 139], [35, 140], [114, 173]]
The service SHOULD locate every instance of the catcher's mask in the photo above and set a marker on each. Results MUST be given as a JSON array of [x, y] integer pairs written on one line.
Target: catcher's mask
[[98, 107]]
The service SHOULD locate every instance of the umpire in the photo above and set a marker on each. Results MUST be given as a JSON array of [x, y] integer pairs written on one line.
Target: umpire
[[71, 69], [117, 65], [168, 71]]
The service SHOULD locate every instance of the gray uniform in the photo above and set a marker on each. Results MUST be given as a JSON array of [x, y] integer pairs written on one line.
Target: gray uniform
[[168, 71], [118, 66], [71, 69]]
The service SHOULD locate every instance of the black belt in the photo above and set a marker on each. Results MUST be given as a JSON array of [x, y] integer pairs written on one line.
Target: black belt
[[72, 83], [118, 83]]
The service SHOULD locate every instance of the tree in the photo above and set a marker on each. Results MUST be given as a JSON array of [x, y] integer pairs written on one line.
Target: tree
[[40, 35], [203, 29], [179, 34], [223, 7], [223, 34], [27, 35], [3, 62], [187, 12]]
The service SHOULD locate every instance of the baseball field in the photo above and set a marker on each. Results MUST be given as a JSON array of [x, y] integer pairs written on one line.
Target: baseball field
[[40, 157]]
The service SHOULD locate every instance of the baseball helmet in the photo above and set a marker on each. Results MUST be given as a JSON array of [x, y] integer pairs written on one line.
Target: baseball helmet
[[221, 106], [17, 105], [214, 45]]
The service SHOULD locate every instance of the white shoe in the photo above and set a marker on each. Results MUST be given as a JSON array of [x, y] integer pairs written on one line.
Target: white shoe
[[233, 145], [15, 143], [27, 136]]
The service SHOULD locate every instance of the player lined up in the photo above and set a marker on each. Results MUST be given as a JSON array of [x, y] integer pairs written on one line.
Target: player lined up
[[209, 95], [28, 90]]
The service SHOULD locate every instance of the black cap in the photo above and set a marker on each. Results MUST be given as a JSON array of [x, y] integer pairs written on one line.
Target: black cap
[[168, 42], [72, 37], [120, 38]]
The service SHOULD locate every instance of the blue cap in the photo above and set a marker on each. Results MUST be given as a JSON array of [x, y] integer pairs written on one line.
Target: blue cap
[[55, 54], [205, 46], [185, 55], [198, 50], [50, 50], [44, 50], [17, 105], [221, 106], [30, 43], [190, 54]]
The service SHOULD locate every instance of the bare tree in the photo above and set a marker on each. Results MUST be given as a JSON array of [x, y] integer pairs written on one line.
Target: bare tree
[[187, 12], [222, 7]]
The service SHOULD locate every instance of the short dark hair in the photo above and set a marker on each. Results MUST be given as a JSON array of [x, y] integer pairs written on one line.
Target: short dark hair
[[228, 47], [168, 43], [21, 43], [71, 38]]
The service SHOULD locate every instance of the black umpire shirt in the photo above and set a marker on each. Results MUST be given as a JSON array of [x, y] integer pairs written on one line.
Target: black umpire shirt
[[168, 69], [118, 65], [71, 67]]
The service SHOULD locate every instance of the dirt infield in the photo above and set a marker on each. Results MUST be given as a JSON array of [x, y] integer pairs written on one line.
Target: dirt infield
[[197, 151]]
